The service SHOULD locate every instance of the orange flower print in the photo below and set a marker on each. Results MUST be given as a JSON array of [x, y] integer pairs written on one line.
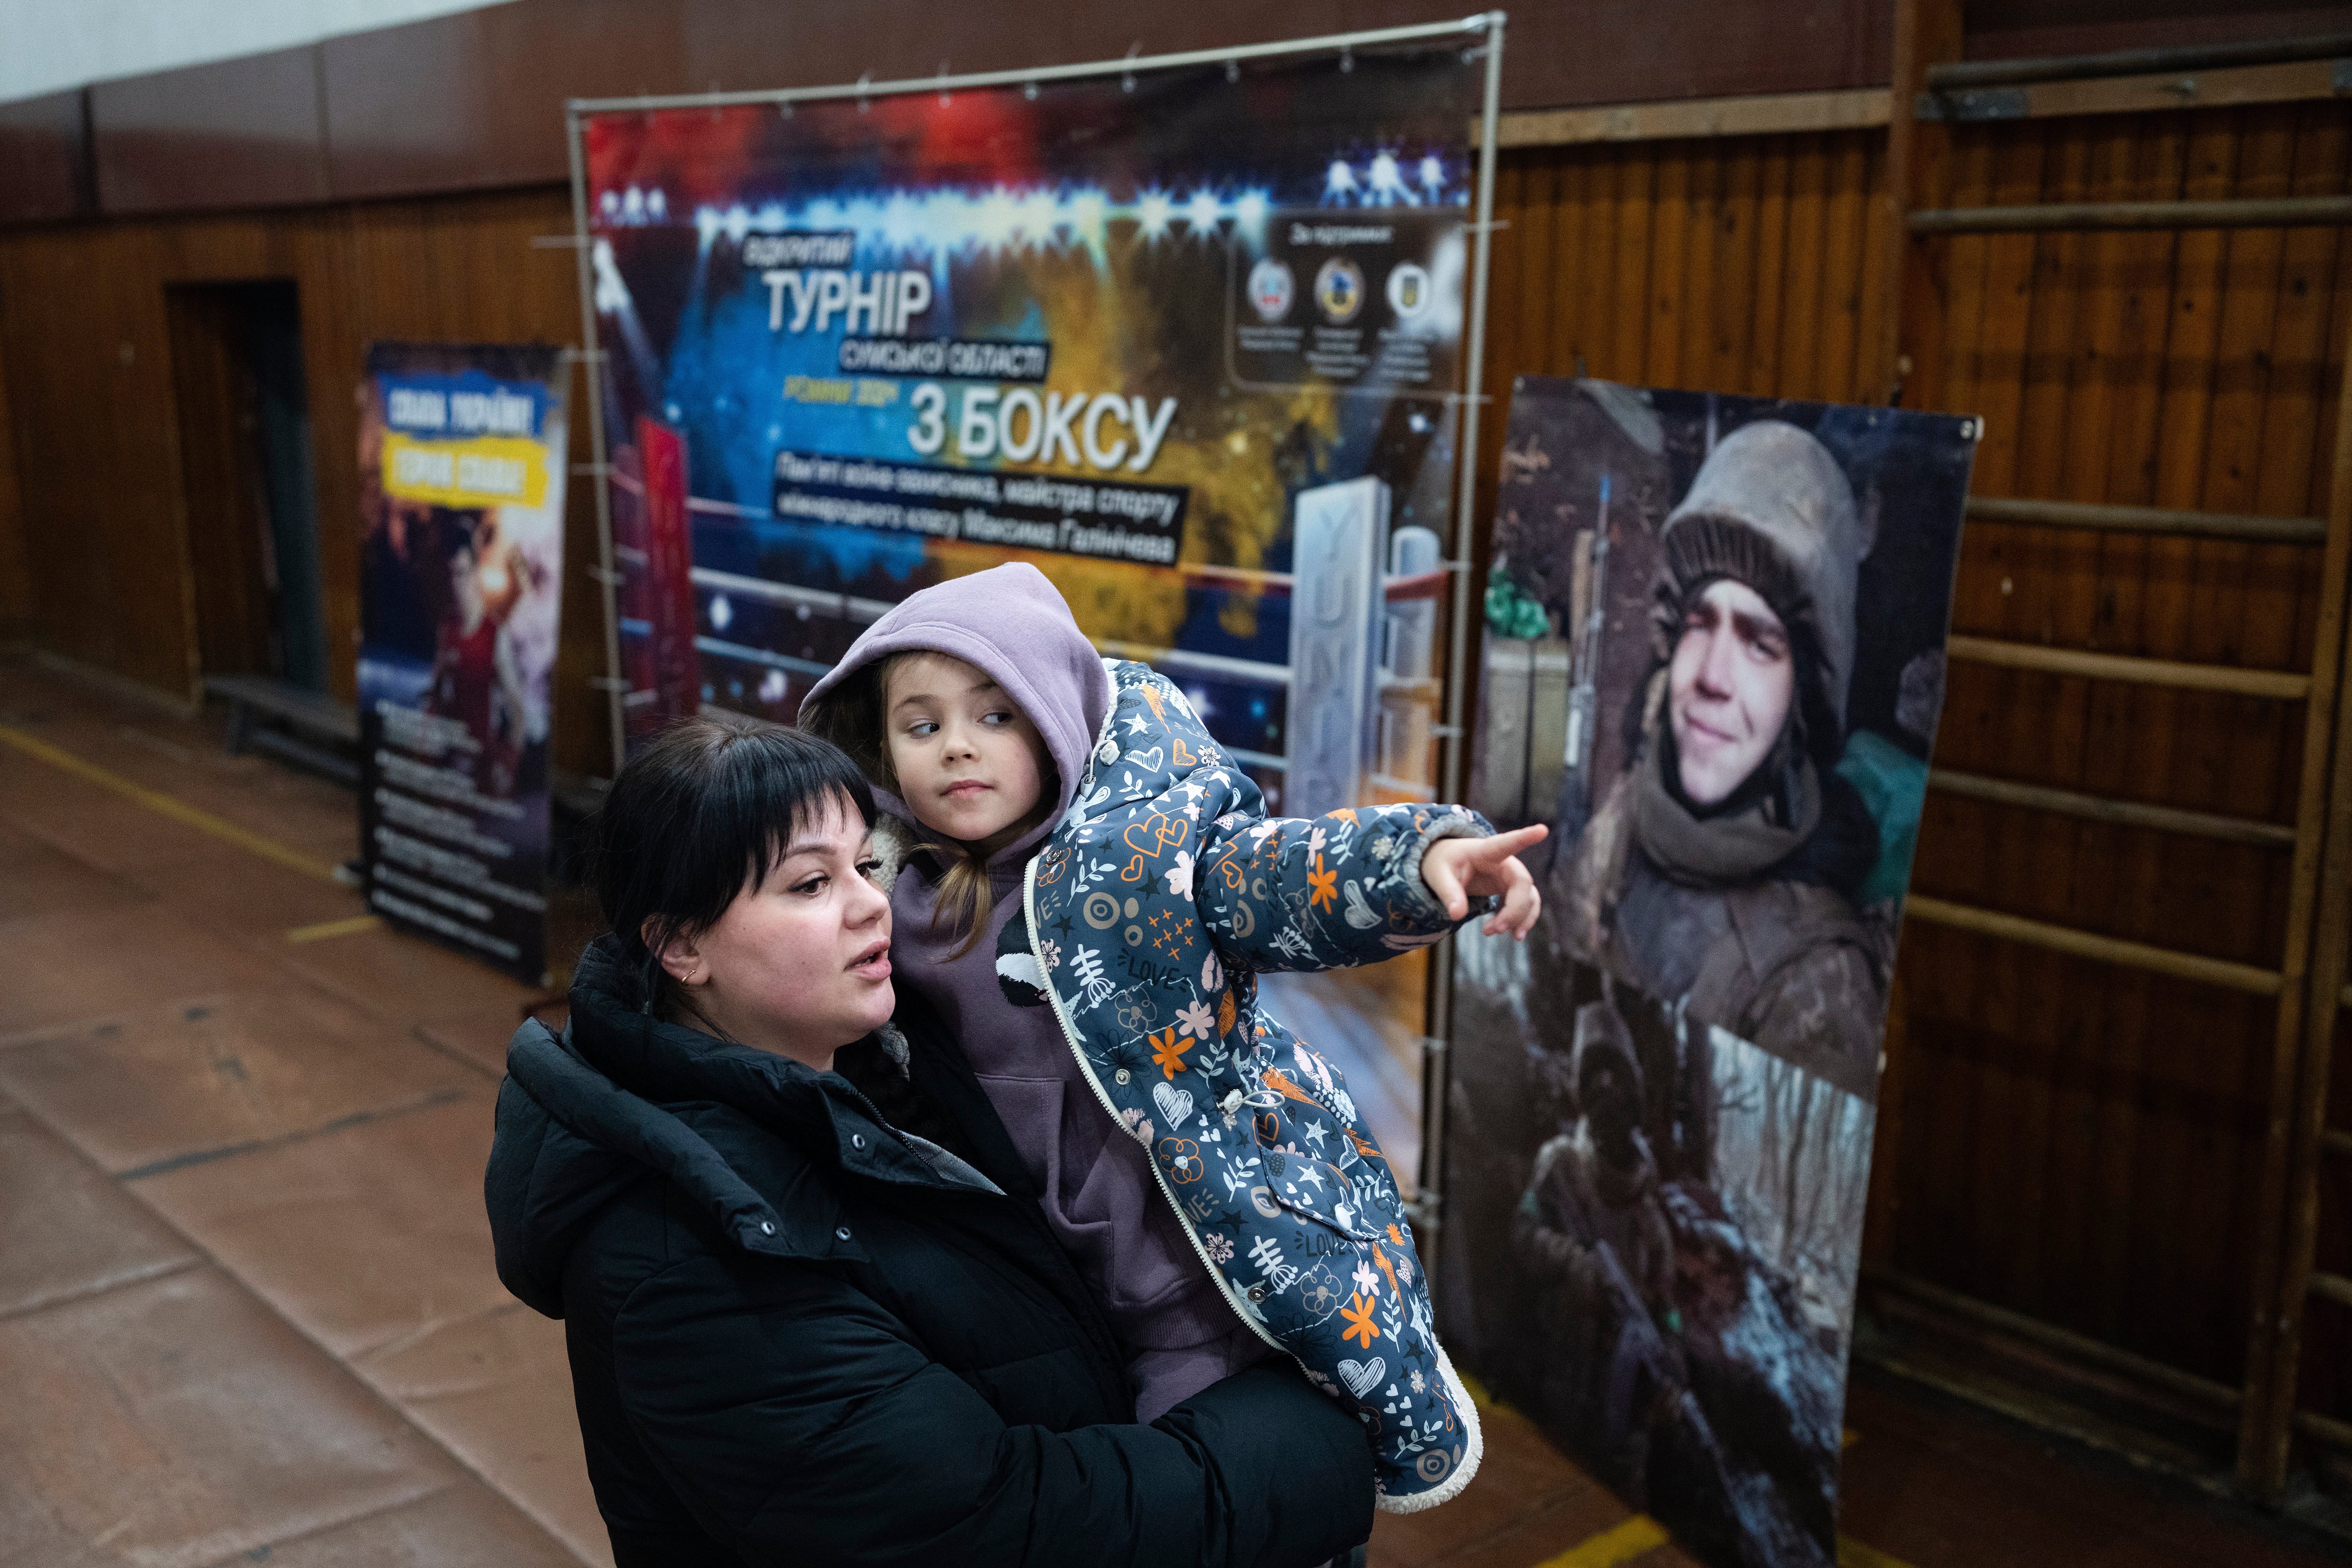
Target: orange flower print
[[1168, 1050], [1182, 1158], [1324, 885], [1358, 1313]]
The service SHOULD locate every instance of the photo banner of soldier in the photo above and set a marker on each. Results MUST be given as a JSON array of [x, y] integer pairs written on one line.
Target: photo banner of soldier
[[1714, 664], [462, 463], [1188, 334]]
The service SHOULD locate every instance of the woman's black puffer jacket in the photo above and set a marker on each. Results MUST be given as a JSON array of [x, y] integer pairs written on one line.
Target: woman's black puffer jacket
[[799, 1337]]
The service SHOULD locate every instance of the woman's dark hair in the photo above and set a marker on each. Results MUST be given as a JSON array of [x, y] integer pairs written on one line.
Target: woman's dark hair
[[702, 813]]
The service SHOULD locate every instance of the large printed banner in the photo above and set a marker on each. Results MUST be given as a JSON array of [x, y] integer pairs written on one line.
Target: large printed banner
[[1187, 340], [1714, 664], [462, 462]]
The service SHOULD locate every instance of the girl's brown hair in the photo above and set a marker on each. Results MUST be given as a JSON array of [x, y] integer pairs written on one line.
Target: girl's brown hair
[[852, 718]]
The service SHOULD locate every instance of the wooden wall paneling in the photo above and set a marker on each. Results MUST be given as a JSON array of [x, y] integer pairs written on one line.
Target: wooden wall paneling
[[1946, 966], [1529, 302], [1574, 216], [1732, 292], [1693, 328], [1848, 231], [456, 269], [1636, 216], [15, 570], [2238, 765], [1662, 356], [2185, 621], [333, 339], [1808, 253], [240, 133], [1869, 382], [2303, 373], [44, 173], [2047, 606], [408, 109], [1508, 279], [1986, 351], [2119, 360], [90, 388], [1768, 301]]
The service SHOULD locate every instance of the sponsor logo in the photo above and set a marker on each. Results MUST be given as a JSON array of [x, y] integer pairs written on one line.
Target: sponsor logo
[[1339, 290], [1272, 289], [1408, 289]]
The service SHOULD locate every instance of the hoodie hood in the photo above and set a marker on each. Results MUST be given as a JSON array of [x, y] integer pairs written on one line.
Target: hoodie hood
[[1011, 622]]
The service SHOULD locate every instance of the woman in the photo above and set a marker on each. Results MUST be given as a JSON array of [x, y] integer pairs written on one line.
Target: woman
[[813, 1309]]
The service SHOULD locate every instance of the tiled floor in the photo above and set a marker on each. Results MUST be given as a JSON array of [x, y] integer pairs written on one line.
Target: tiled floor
[[248, 1311]]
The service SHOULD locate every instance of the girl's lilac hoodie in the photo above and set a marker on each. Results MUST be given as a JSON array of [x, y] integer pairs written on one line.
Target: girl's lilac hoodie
[[1098, 1190]]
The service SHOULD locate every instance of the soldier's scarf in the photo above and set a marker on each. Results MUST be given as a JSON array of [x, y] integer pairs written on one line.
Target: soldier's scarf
[[1734, 847]]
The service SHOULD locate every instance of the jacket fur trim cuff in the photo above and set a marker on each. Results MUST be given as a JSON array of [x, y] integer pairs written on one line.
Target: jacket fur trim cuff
[[1473, 1451]]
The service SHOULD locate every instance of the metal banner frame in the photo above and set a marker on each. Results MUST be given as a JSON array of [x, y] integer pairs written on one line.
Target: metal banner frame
[[1466, 402]]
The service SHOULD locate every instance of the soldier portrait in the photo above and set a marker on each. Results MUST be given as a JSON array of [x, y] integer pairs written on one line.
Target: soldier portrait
[[1714, 664]]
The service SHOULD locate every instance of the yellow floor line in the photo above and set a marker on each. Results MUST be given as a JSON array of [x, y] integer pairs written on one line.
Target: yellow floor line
[[326, 929], [1620, 1543], [177, 810], [1853, 1553]]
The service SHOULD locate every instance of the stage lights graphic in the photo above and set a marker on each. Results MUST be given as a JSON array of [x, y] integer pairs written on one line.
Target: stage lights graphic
[[1000, 219]]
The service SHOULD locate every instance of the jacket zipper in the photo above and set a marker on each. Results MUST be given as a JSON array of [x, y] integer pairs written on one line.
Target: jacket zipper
[[1054, 997]]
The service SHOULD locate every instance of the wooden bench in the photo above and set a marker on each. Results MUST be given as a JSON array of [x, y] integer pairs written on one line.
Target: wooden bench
[[252, 699]]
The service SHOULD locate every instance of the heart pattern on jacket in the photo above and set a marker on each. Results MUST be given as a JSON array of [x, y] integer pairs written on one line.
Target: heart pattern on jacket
[[1175, 1105], [1363, 1376]]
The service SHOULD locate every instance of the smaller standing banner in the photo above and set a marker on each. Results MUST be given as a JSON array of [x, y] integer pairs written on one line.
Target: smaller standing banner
[[462, 460], [1714, 664]]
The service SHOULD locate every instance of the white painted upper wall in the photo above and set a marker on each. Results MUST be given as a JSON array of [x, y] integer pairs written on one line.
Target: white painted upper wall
[[48, 46]]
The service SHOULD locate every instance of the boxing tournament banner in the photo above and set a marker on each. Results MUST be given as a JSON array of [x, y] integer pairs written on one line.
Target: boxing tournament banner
[[462, 461], [1714, 666], [1189, 339]]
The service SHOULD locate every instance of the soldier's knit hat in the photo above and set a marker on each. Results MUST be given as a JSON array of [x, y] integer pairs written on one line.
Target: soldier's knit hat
[[1771, 508]]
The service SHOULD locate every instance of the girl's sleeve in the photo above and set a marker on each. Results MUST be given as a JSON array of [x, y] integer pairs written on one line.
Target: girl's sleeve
[[1345, 889]]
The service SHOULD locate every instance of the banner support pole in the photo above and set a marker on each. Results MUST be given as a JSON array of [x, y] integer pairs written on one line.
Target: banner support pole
[[614, 684], [1455, 738]]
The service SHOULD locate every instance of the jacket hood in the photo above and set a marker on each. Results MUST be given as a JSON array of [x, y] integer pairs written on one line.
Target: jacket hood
[[1011, 622], [1771, 508], [622, 1096]]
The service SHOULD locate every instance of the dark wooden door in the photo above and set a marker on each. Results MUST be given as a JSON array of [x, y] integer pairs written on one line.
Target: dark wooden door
[[230, 547]]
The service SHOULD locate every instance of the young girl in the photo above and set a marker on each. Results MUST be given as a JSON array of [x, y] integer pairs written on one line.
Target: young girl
[[1246, 1205]]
